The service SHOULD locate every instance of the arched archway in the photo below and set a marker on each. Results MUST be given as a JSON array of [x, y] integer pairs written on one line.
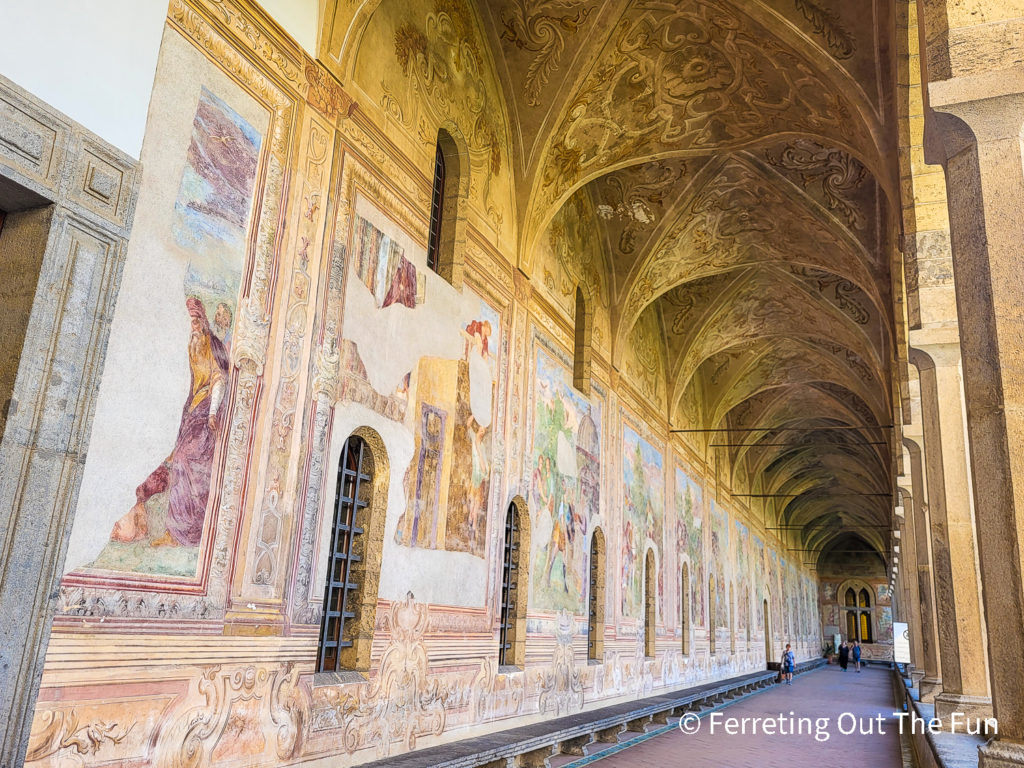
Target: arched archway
[[596, 599], [684, 609], [450, 190], [712, 614], [857, 605], [650, 593], [356, 549], [514, 581], [767, 633]]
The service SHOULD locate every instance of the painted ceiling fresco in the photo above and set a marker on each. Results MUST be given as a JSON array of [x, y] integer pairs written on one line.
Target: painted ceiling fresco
[[736, 162]]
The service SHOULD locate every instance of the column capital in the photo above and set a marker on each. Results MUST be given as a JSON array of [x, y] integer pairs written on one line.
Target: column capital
[[981, 108], [941, 347], [986, 84]]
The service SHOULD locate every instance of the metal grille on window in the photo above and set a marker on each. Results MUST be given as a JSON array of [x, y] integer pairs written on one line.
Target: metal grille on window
[[436, 210], [354, 483], [510, 575], [594, 576]]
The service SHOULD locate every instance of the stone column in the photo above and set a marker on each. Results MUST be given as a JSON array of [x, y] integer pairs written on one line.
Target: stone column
[[911, 611], [955, 571], [931, 683], [70, 199], [980, 142]]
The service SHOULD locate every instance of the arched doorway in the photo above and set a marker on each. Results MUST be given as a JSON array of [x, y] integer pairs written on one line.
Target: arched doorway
[[767, 634]]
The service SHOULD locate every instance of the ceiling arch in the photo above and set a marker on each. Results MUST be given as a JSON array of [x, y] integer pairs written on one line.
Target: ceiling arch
[[687, 79], [720, 176]]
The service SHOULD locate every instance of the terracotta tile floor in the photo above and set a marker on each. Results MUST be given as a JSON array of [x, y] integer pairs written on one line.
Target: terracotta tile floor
[[824, 693]]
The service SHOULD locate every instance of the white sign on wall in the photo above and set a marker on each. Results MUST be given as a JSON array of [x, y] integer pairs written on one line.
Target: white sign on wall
[[900, 642]]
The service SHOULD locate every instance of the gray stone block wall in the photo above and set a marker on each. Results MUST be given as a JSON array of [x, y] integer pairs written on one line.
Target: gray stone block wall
[[70, 198]]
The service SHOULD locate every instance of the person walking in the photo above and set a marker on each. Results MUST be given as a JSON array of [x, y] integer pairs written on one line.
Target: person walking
[[844, 655], [788, 662], [856, 655]]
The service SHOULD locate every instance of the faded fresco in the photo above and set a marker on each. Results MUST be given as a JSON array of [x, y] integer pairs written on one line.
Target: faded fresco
[[791, 586], [448, 483], [564, 487], [643, 510], [420, 363], [162, 531], [760, 573], [383, 268], [884, 624], [720, 556], [429, 64], [689, 536], [743, 568], [437, 376]]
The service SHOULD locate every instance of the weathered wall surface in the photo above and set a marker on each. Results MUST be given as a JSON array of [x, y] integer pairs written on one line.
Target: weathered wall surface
[[275, 298]]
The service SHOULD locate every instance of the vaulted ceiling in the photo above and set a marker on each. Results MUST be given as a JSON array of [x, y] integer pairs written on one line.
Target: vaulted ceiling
[[738, 160]]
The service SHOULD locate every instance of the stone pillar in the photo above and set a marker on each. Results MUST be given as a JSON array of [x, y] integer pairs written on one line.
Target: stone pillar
[[955, 562], [911, 611], [931, 683], [69, 199], [980, 143]]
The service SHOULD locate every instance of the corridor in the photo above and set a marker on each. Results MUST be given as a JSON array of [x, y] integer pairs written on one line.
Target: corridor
[[476, 383], [825, 693]]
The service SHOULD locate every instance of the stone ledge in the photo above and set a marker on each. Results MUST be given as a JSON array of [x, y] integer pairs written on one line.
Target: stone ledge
[[943, 749], [532, 745]]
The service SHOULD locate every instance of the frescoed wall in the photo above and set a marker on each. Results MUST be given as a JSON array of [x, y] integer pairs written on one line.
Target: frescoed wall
[[276, 299], [564, 485], [433, 389], [689, 536], [149, 493], [643, 516], [162, 531], [744, 571], [721, 561]]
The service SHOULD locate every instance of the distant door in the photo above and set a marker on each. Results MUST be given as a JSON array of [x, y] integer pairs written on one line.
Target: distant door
[[767, 635]]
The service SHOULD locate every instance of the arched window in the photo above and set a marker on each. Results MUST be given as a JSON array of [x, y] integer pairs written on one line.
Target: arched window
[[767, 632], [581, 343], [595, 624], [684, 608], [437, 208], [509, 585], [447, 214], [649, 597], [712, 614], [747, 618], [732, 619], [857, 606], [864, 601], [512, 629], [350, 596]]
